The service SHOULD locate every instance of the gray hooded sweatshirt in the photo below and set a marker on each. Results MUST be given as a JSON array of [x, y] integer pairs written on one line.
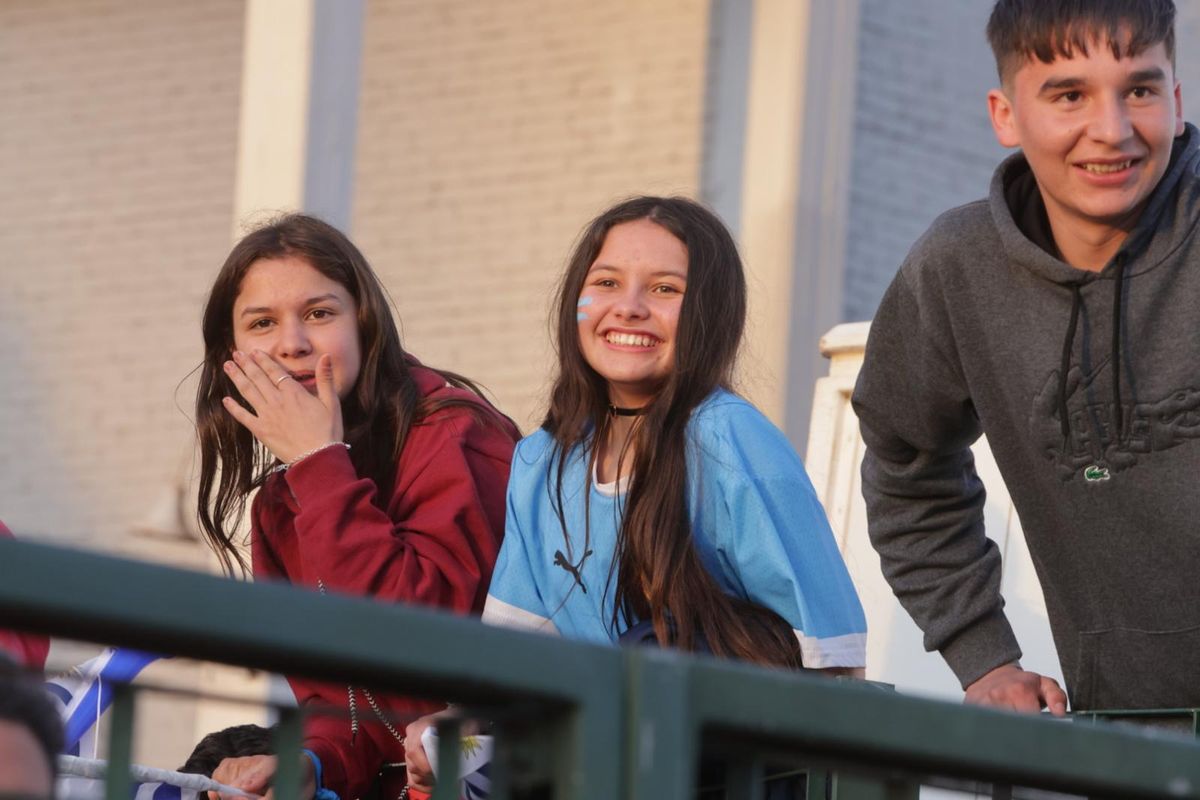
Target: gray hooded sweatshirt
[[1088, 388]]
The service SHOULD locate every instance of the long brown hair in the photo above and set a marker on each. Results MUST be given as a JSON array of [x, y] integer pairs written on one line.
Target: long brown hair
[[384, 404], [659, 575]]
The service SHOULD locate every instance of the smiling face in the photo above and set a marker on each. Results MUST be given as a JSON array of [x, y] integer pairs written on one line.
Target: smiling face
[[629, 310], [1097, 132], [292, 312]]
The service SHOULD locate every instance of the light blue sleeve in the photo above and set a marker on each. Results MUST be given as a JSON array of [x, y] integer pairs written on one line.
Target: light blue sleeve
[[514, 599], [772, 532]]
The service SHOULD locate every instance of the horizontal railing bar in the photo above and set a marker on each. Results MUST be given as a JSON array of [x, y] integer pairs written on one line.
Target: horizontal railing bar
[[853, 722], [99, 598], [391, 647]]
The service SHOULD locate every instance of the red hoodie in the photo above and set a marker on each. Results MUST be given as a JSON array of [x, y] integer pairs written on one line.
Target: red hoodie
[[29, 649], [317, 524]]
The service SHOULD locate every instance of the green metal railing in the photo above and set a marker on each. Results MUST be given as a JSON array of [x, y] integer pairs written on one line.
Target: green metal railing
[[581, 720]]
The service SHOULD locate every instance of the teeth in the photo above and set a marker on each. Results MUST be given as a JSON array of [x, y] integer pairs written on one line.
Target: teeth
[[1104, 169], [632, 340]]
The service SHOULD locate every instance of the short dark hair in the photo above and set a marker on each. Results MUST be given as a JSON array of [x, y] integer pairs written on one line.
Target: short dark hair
[[1021, 30], [240, 740], [25, 702]]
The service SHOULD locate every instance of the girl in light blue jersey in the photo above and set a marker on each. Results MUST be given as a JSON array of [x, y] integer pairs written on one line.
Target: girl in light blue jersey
[[654, 503], [653, 498]]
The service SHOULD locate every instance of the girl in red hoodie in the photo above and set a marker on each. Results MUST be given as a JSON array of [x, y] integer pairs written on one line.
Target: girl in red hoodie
[[377, 476]]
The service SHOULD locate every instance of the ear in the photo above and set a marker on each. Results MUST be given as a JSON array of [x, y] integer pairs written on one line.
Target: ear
[[1000, 109], [1178, 110]]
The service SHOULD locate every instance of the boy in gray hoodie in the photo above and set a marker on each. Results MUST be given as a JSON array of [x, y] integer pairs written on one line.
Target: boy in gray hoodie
[[1061, 317]]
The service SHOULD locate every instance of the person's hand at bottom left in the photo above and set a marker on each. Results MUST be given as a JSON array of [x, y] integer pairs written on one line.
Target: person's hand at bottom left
[[257, 773]]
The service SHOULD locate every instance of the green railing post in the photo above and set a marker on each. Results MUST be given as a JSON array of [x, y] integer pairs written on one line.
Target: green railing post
[[286, 740], [661, 744], [118, 785], [587, 736], [449, 756]]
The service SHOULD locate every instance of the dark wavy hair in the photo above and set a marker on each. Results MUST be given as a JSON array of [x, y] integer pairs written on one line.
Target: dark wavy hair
[[1020, 30], [659, 575], [378, 413], [234, 742]]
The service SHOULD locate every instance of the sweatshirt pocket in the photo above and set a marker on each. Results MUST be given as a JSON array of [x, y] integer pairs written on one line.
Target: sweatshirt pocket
[[1121, 668]]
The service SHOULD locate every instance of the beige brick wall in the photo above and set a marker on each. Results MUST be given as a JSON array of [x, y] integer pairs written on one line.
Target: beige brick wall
[[489, 134], [117, 142]]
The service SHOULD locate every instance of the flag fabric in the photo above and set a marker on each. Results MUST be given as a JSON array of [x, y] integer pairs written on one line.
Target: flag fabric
[[475, 764], [85, 693]]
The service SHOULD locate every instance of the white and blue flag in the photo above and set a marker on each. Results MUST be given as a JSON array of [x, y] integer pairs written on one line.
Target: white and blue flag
[[85, 693]]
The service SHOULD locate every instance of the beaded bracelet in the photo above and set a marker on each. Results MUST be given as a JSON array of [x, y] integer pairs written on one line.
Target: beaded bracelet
[[305, 455]]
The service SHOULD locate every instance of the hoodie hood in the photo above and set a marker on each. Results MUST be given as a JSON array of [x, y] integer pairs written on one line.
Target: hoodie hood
[[1166, 222], [1168, 219]]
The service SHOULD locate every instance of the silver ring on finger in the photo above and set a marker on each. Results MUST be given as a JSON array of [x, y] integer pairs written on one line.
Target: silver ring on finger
[[281, 379]]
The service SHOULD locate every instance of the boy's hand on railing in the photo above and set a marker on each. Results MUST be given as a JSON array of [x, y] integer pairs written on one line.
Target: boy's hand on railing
[[256, 774], [1013, 688]]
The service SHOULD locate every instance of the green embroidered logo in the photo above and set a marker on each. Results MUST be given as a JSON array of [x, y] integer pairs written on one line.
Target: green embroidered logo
[[1095, 473]]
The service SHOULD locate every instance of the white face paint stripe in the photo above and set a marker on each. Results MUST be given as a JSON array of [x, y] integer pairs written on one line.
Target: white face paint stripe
[[583, 301]]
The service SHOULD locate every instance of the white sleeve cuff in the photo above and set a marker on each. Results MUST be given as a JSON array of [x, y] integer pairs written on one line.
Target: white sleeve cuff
[[849, 650], [504, 615]]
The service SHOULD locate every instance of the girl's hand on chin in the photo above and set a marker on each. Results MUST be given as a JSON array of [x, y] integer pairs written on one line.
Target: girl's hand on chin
[[288, 420]]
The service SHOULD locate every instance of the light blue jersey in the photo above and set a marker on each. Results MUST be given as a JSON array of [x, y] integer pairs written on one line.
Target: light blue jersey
[[758, 527]]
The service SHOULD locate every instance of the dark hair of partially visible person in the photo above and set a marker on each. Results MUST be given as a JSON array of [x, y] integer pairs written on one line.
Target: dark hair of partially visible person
[[25, 702], [383, 405], [1021, 30], [659, 575], [234, 742]]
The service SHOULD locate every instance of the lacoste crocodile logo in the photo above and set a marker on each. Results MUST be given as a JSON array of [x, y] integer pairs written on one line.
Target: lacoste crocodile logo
[[1095, 473]]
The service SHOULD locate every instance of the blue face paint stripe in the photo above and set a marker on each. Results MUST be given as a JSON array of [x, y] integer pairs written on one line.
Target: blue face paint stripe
[[583, 301]]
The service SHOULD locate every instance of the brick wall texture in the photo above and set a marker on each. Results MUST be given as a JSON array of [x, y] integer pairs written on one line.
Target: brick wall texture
[[922, 140], [117, 145], [489, 134]]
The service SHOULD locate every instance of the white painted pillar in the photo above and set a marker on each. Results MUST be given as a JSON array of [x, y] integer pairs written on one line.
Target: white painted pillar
[[299, 109], [769, 187], [794, 197]]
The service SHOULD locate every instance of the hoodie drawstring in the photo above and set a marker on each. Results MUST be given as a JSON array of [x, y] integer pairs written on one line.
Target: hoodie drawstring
[[1063, 417], [1118, 280], [1069, 342]]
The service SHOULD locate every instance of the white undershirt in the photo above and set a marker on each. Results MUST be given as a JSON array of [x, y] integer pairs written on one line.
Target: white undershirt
[[611, 489]]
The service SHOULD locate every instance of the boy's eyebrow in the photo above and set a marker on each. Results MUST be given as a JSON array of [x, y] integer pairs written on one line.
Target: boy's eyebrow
[[1148, 75], [312, 301], [1061, 84]]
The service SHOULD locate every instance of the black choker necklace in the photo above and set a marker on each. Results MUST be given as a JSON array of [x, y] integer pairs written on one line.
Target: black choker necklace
[[617, 411]]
